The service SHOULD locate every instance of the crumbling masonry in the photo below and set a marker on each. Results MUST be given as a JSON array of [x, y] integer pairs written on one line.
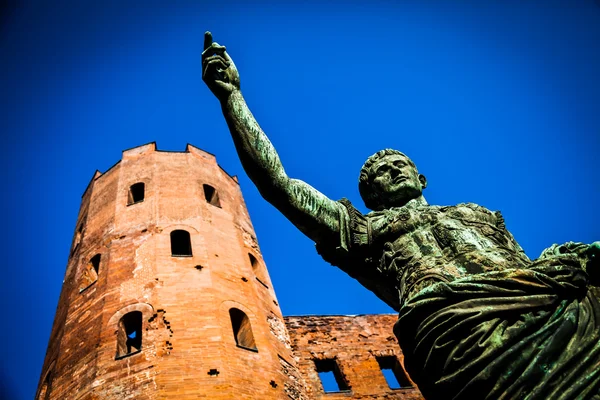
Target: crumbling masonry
[[166, 296]]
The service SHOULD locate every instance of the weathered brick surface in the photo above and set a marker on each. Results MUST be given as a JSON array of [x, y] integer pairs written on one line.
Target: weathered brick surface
[[188, 346], [354, 342], [186, 329]]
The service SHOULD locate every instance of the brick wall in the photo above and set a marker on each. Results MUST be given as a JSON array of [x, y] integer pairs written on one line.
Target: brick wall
[[188, 347], [353, 343]]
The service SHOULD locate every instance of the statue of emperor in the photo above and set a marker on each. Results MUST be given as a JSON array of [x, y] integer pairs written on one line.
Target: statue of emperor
[[477, 318]]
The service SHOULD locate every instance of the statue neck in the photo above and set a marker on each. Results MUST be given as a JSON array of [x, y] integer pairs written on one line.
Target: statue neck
[[419, 201], [413, 203]]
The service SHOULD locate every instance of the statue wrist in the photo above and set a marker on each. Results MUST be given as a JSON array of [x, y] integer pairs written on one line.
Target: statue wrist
[[234, 95]]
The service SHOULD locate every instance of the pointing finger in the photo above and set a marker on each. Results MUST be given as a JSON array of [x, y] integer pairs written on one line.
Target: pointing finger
[[207, 39]]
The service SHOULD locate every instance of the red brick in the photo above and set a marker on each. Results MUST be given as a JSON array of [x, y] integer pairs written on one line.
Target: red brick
[[186, 328]]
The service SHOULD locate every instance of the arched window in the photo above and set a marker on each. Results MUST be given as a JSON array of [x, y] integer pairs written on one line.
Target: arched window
[[136, 193], [242, 331], [211, 195], [181, 246], [257, 273], [129, 334], [90, 273]]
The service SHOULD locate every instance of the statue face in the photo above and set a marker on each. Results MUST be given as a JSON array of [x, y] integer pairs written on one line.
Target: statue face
[[396, 181]]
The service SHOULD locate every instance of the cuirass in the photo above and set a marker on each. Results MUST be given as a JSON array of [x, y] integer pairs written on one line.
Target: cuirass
[[436, 243]]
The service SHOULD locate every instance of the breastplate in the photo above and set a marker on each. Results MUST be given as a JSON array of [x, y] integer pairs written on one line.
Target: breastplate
[[432, 244]]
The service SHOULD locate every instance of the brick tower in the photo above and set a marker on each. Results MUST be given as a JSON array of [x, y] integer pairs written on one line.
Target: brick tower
[[166, 294]]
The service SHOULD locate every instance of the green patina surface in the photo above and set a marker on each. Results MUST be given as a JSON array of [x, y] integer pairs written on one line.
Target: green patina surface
[[478, 319]]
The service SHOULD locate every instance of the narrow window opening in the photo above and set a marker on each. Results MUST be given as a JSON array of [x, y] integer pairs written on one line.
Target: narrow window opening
[[211, 195], [90, 274], [257, 273], [181, 245], [393, 372], [253, 261], [331, 377], [262, 283], [77, 238], [129, 335], [136, 193], [242, 330]]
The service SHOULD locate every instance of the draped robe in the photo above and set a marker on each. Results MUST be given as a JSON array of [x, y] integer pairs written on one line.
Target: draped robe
[[477, 318]]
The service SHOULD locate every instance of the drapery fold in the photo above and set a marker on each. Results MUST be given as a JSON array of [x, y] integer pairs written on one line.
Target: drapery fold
[[515, 334]]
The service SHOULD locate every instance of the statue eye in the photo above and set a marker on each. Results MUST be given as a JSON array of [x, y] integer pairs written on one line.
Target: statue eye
[[381, 169]]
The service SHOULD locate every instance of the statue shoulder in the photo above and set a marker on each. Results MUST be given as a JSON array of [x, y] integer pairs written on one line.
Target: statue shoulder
[[473, 207], [472, 210], [358, 225]]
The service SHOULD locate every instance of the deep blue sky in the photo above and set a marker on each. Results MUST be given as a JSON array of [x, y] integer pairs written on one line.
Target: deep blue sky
[[497, 102]]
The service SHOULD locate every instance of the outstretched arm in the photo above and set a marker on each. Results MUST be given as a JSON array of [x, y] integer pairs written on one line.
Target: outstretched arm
[[308, 209]]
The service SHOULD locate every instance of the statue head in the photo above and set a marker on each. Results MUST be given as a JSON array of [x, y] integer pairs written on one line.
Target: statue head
[[389, 179]]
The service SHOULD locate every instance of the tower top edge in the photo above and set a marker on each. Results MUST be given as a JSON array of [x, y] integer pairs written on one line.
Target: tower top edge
[[151, 147]]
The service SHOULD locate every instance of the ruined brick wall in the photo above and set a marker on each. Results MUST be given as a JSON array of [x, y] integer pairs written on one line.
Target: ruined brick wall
[[188, 348], [352, 345], [121, 265]]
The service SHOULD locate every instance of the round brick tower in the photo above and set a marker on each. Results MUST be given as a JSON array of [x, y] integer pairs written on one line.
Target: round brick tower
[[166, 294]]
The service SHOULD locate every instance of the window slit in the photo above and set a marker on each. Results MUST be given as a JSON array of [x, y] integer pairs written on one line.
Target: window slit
[[90, 274]]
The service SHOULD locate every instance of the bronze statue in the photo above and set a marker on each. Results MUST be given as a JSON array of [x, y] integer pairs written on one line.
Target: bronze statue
[[477, 318]]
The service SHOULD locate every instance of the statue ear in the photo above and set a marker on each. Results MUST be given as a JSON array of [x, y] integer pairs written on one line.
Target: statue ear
[[423, 181]]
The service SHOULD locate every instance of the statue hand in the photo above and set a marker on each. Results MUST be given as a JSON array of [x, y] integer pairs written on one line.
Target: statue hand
[[218, 70]]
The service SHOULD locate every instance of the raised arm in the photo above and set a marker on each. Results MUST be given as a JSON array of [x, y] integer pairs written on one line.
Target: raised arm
[[309, 210]]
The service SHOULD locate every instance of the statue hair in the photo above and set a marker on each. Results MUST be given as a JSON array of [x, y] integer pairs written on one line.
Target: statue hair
[[364, 180]]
